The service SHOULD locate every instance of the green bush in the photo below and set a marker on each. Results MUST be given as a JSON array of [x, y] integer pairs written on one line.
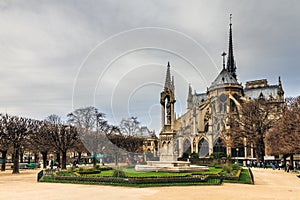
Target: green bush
[[235, 167], [119, 173], [106, 168], [194, 155], [72, 169], [185, 155], [81, 169], [227, 168], [96, 167], [218, 155]]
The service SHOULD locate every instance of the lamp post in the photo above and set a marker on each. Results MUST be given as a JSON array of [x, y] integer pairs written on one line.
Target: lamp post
[[237, 155]]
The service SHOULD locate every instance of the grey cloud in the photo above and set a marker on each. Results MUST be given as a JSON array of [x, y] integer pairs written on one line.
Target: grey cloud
[[43, 45]]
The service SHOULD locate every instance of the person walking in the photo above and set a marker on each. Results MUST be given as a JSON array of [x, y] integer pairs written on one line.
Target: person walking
[[51, 163]]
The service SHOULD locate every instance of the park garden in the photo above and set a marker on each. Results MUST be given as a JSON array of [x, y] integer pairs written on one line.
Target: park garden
[[127, 176]]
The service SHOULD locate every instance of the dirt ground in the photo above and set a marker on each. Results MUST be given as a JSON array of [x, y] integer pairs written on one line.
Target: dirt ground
[[269, 184]]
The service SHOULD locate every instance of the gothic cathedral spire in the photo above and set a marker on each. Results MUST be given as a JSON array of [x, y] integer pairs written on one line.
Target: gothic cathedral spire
[[168, 83], [231, 67], [167, 101]]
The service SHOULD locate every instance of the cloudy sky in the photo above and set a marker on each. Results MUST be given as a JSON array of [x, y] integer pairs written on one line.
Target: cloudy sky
[[56, 56]]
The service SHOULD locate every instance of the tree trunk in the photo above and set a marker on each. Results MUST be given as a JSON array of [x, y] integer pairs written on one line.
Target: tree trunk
[[29, 158], [16, 159], [117, 158], [21, 156], [260, 151], [292, 161], [64, 159], [79, 155], [36, 158], [44, 155], [4, 154], [94, 160], [58, 158]]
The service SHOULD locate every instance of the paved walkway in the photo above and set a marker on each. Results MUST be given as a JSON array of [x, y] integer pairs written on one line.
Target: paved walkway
[[269, 184]]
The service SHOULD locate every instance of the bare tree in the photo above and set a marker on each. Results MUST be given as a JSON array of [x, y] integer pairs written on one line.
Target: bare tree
[[63, 138], [252, 122], [53, 119], [41, 140], [284, 137], [92, 128], [129, 143], [4, 141], [130, 126], [18, 130]]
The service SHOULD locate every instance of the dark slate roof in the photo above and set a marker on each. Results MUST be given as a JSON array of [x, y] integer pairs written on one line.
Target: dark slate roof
[[223, 78], [199, 97], [267, 91]]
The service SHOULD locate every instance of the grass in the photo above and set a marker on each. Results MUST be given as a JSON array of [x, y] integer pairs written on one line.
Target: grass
[[130, 172]]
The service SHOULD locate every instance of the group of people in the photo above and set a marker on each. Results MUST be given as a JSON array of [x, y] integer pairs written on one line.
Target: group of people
[[274, 164], [52, 164]]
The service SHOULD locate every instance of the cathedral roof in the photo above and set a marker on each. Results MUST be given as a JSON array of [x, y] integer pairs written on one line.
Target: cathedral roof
[[266, 92], [224, 78]]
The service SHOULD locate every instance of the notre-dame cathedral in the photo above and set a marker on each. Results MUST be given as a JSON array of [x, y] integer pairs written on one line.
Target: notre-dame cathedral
[[199, 129]]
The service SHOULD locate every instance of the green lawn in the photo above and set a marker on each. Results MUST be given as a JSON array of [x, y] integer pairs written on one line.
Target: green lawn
[[130, 172]]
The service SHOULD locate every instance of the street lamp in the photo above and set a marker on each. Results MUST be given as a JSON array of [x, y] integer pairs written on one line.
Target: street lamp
[[237, 155]]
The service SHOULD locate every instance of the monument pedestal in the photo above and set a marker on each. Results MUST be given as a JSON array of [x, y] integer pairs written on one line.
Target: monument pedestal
[[170, 166]]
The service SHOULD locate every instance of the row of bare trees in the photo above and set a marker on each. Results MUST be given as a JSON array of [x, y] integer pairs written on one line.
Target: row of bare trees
[[86, 130], [19, 133], [284, 137], [265, 125]]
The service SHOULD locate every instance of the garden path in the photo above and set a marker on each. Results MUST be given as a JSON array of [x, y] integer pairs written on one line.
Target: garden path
[[269, 184]]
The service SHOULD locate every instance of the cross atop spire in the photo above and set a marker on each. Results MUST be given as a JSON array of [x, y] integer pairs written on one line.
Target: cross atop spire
[[223, 55], [168, 83], [231, 67]]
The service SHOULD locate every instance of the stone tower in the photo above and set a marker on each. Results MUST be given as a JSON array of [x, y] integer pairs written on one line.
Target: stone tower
[[167, 101]]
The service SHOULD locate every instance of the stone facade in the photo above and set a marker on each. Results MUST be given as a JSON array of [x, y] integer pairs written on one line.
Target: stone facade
[[199, 129]]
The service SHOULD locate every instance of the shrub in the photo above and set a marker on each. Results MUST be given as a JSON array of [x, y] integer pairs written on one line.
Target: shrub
[[227, 168], [96, 167], [106, 168], [218, 155], [119, 173], [81, 169], [72, 169], [194, 155], [235, 167], [185, 155]]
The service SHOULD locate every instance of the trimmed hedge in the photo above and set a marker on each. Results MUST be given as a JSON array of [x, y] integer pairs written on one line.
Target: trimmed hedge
[[168, 180], [89, 172]]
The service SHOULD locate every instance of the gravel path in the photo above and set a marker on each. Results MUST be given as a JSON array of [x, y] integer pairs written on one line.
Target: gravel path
[[269, 184]]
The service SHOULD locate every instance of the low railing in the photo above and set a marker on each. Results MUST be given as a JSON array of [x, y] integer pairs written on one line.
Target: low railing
[[40, 175], [46, 172], [251, 175]]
